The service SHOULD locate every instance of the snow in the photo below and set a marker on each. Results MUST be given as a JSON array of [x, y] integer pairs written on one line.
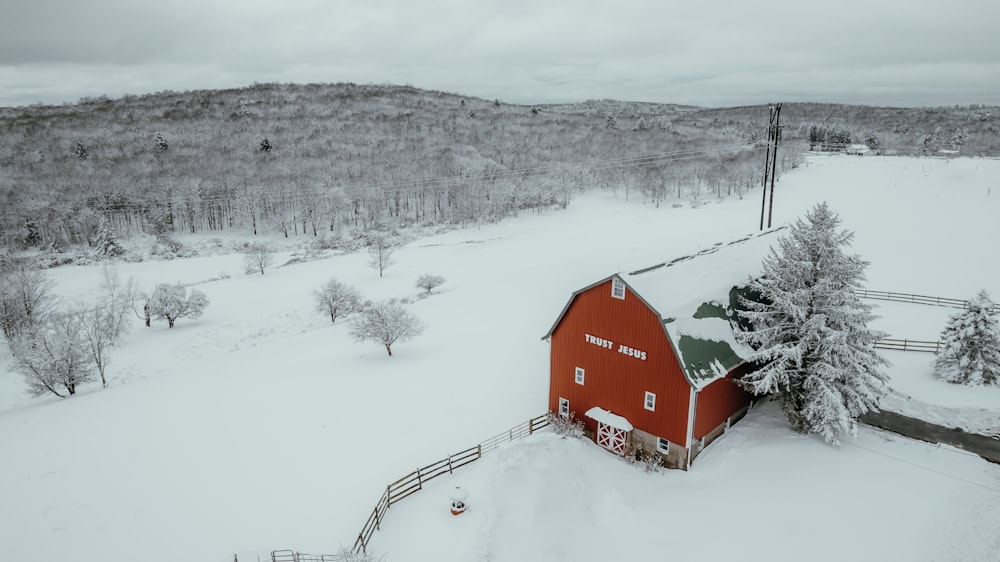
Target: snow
[[677, 290], [263, 426], [759, 493], [607, 418]]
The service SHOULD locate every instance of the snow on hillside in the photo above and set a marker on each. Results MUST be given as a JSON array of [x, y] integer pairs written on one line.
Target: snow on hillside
[[262, 426]]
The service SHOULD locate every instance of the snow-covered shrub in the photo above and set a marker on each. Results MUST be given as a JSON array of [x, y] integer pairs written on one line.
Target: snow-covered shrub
[[970, 345], [648, 461], [348, 555], [324, 243], [167, 247], [566, 426]]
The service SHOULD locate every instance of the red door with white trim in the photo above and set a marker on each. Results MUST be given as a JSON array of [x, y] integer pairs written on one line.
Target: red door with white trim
[[612, 438]]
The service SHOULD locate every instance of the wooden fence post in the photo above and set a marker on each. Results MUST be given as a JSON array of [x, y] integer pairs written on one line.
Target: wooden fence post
[[531, 425], [420, 481]]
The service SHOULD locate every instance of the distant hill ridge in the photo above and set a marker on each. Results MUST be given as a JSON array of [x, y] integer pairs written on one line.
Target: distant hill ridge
[[315, 159]]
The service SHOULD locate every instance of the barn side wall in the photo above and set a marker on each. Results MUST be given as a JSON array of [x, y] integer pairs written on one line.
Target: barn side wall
[[614, 380], [675, 458], [718, 401], [714, 433]]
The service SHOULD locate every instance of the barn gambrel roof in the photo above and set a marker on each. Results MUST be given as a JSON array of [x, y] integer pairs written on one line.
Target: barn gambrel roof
[[696, 296]]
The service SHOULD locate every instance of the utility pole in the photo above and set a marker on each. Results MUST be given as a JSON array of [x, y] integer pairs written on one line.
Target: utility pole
[[770, 162], [774, 159]]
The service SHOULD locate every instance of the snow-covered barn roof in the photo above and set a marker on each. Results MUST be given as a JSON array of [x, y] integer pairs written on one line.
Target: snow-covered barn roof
[[695, 295]]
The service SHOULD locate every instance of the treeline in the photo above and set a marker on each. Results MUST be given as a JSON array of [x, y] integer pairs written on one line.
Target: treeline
[[321, 159]]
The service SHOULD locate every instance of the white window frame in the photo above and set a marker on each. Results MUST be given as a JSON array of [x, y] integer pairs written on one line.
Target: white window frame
[[563, 407], [650, 402], [617, 288], [662, 445], [580, 375]]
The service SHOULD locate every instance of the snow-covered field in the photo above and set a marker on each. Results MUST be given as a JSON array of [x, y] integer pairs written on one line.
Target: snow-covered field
[[262, 426]]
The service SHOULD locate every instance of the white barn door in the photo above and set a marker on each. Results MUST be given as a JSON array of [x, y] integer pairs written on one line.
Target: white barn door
[[612, 438]]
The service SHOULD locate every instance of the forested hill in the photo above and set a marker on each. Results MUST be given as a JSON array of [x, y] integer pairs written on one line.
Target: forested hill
[[330, 159]]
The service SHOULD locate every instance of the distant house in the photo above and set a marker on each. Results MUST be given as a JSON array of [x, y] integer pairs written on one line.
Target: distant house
[[859, 149], [649, 358]]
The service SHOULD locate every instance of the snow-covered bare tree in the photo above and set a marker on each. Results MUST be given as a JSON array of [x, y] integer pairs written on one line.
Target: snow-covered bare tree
[[170, 302], [25, 298], [336, 299], [970, 345], [381, 247], [810, 331], [257, 257], [386, 322], [429, 282], [140, 305], [103, 323], [52, 356]]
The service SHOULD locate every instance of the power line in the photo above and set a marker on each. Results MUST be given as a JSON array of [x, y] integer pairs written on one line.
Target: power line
[[928, 469]]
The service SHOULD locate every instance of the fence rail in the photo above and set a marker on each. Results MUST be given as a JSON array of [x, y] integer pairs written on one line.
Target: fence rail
[[909, 345], [292, 556], [414, 481], [916, 299]]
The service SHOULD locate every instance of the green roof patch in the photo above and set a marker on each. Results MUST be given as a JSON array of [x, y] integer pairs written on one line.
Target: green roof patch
[[706, 359], [710, 310]]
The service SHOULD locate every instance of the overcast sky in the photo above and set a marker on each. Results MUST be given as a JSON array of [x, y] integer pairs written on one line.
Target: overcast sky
[[707, 52]]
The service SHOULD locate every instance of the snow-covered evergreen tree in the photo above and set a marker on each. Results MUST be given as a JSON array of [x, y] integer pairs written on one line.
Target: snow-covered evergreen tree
[[161, 145], [105, 242], [970, 345], [810, 331]]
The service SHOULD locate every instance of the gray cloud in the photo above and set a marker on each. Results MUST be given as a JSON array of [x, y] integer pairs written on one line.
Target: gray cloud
[[715, 52]]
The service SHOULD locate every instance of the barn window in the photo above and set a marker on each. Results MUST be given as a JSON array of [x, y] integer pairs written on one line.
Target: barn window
[[618, 288], [579, 375], [650, 401], [564, 407], [662, 445]]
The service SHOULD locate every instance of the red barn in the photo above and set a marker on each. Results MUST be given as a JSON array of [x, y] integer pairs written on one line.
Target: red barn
[[649, 357]]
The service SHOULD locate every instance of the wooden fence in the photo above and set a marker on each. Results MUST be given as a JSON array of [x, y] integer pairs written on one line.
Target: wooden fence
[[909, 345], [292, 556], [916, 299], [414, 481]]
